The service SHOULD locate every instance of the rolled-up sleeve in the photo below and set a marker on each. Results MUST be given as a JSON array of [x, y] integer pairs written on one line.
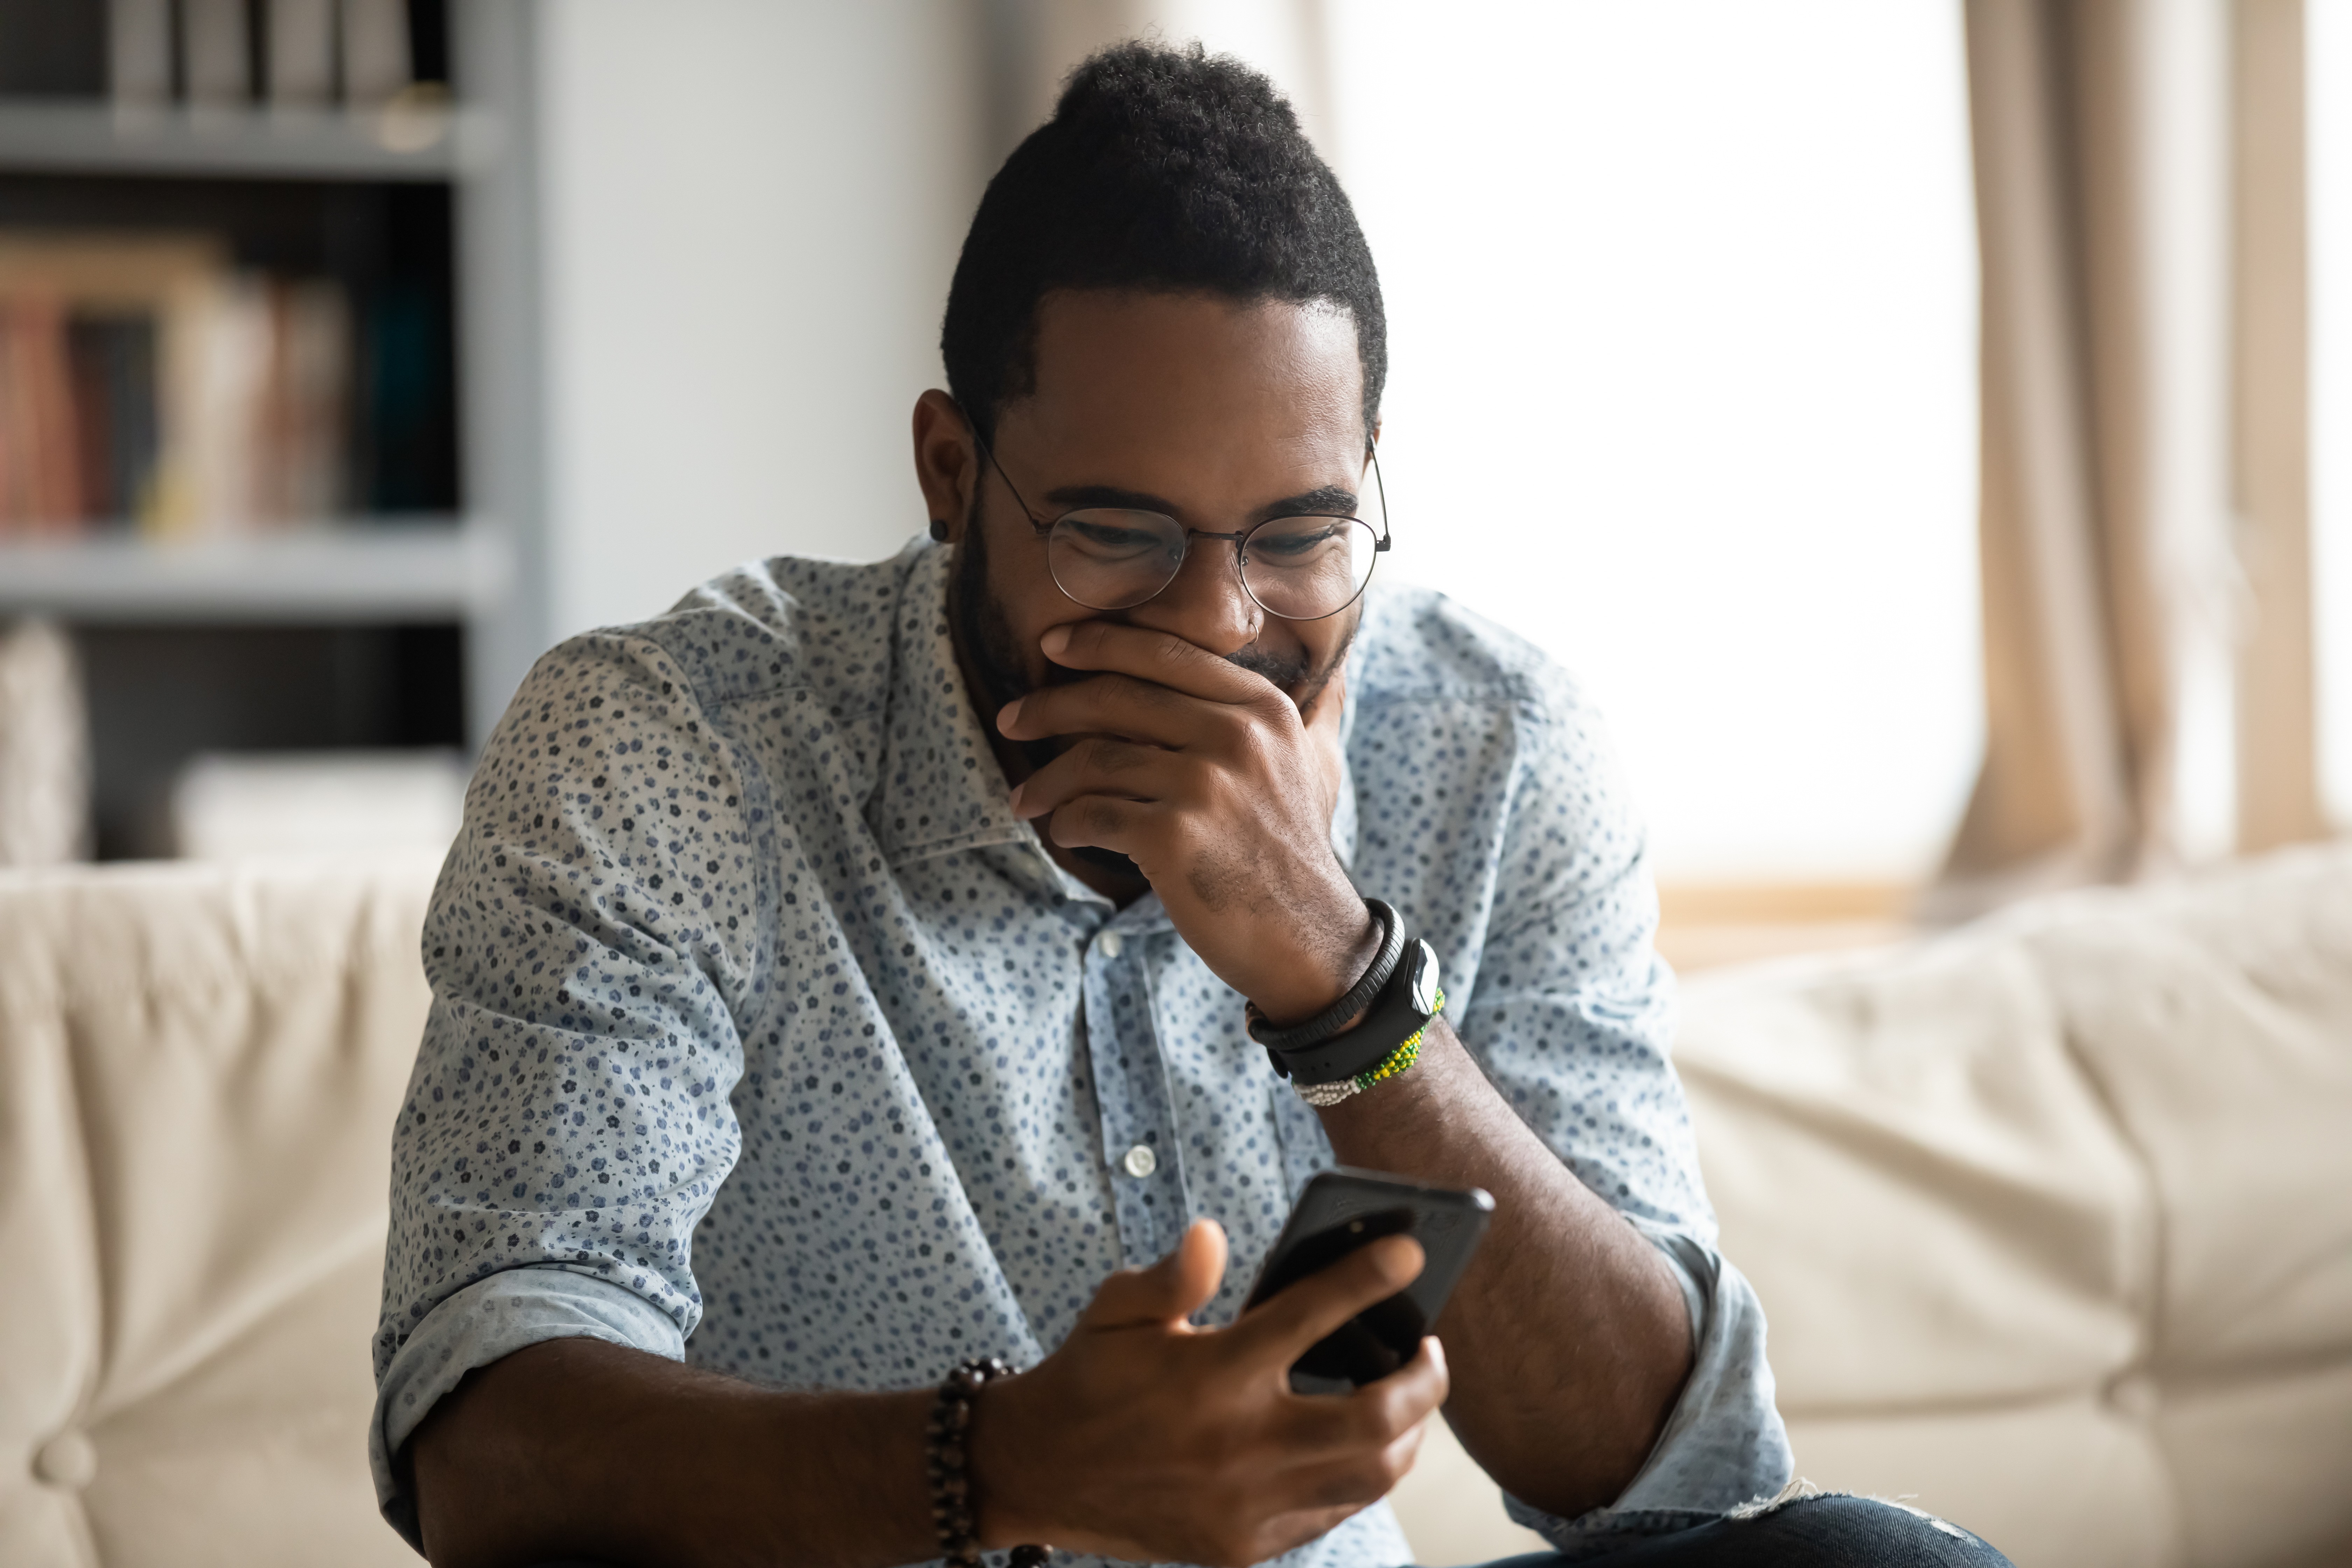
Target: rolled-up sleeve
[[486, 1322], [1571, 1016], [1723, 1445], [594, 950]]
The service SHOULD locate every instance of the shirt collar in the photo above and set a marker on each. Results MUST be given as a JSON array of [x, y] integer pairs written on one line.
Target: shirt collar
[[940, 789]]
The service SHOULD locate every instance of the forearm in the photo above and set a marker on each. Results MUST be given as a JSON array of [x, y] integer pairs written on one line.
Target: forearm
[[1568, 1338], [578, 1448]]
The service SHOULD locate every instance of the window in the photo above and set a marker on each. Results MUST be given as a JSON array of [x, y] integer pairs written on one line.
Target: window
[[1682, 320]]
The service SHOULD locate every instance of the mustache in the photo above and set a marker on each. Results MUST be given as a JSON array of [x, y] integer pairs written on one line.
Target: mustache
[[1288, 670]]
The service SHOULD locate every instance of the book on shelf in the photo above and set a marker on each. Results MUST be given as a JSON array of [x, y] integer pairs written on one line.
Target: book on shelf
[[301, 57], [146, 384], [221, 54]]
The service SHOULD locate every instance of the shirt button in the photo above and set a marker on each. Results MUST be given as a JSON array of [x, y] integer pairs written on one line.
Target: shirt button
[[1108, 944], [1140, 1161]]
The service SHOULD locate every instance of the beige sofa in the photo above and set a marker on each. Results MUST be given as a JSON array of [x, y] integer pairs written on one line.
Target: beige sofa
[[2052, 1217]]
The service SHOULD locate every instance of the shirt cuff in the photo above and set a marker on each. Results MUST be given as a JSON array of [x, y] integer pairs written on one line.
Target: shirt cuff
[[489, 1320], [1723, 1445]]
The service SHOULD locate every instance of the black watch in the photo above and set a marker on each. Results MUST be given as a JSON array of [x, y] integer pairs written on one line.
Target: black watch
[[1403, 1008]]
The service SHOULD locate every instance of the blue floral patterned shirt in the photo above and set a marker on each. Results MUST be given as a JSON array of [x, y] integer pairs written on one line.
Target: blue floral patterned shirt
[[765, 1037]]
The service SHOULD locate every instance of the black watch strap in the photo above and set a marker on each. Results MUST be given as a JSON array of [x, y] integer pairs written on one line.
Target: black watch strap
[[1405, 1007], [1334, 1018]]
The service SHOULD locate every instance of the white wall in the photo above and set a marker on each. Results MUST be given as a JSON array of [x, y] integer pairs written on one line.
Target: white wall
[[751, 211]]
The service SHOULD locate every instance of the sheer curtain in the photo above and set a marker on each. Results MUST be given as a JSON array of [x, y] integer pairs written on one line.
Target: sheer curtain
[[2329, 67], [2144, 440]]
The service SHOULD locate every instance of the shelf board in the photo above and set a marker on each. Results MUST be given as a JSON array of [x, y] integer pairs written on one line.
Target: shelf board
[[408, 570], [410, 143]]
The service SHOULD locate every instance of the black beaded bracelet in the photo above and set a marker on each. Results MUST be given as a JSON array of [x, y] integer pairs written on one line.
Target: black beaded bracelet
[[955, 1513]]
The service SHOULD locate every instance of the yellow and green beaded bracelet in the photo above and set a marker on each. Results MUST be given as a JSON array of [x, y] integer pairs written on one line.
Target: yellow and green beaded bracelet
[[1395, 1064]]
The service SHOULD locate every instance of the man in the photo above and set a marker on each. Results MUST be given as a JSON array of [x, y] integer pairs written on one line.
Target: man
[[845, 975]]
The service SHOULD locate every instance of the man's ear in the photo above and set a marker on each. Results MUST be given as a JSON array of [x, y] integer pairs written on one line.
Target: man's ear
[[946, 465]]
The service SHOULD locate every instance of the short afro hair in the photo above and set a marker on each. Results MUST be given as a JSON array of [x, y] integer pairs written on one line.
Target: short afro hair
[[1165, 170]]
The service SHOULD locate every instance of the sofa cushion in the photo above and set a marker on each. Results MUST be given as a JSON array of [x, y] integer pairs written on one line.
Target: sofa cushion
[[199, 1068], [1926, 1188], [2216, 1021], [2066, 1197]]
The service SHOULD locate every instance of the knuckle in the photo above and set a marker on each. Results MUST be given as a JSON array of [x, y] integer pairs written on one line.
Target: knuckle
[[1351, 1486], [1383, 1415], [1253, 743]]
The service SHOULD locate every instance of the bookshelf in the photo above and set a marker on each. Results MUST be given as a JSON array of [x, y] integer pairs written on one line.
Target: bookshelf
[[411, 569], [416, 141], [439, 595]]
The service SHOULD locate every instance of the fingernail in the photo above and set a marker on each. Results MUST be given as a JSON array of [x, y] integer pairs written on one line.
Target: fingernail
[[1007, 715], [1056, 640], [1014, 802]]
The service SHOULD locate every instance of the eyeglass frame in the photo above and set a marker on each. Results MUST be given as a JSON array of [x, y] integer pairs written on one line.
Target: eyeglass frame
[[1241, 539]]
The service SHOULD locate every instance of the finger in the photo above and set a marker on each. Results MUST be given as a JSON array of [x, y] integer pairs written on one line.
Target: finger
[[1323, 713], [1111, 704], [1159, 657], [1374, 1417], [1099, 765], [1172, 1289], [1359, 1479], [1100, 822], [1281, 1330]]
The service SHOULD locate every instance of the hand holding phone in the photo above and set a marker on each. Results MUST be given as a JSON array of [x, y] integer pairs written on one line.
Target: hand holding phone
[[1343, 1209]]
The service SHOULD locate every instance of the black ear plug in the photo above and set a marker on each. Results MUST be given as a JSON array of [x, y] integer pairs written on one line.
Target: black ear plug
[[939, 528]]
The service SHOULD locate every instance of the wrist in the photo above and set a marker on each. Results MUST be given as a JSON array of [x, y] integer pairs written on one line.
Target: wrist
[[1312, 976], [995, 1459]]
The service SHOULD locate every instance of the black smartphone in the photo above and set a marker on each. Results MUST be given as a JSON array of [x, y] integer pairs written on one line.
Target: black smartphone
[[1343, 1209]]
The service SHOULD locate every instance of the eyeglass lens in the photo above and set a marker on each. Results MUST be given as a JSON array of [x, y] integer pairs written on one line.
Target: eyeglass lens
[[1300, 568]]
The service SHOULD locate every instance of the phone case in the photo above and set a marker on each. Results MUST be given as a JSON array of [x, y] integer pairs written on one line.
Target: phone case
[[1343, 1209]]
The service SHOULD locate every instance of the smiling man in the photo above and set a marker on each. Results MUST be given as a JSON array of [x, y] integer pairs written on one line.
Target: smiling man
[[862, 970]]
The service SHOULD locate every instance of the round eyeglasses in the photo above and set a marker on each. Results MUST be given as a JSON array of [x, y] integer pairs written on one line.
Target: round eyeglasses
[[1301, 568]]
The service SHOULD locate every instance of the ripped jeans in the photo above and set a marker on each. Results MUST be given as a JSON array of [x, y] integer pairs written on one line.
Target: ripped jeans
[[1831, 1530]]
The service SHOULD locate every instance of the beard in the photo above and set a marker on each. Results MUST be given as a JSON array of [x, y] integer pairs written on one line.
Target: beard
[[985, 638]]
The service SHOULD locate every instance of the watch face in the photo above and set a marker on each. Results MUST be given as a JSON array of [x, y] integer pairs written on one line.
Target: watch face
[[1424, 978]]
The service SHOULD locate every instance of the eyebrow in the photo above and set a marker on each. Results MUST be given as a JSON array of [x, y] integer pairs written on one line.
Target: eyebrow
[[1331, 500]]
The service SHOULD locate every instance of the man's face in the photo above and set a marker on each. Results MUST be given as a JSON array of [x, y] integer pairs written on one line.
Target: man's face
[[1220, 415]]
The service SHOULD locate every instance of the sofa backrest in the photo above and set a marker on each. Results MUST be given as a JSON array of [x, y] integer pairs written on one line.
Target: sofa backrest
[[2051, 1216], [199, 1069]]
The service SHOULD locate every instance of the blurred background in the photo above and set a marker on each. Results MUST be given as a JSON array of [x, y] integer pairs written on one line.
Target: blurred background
[[1922, 426]]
